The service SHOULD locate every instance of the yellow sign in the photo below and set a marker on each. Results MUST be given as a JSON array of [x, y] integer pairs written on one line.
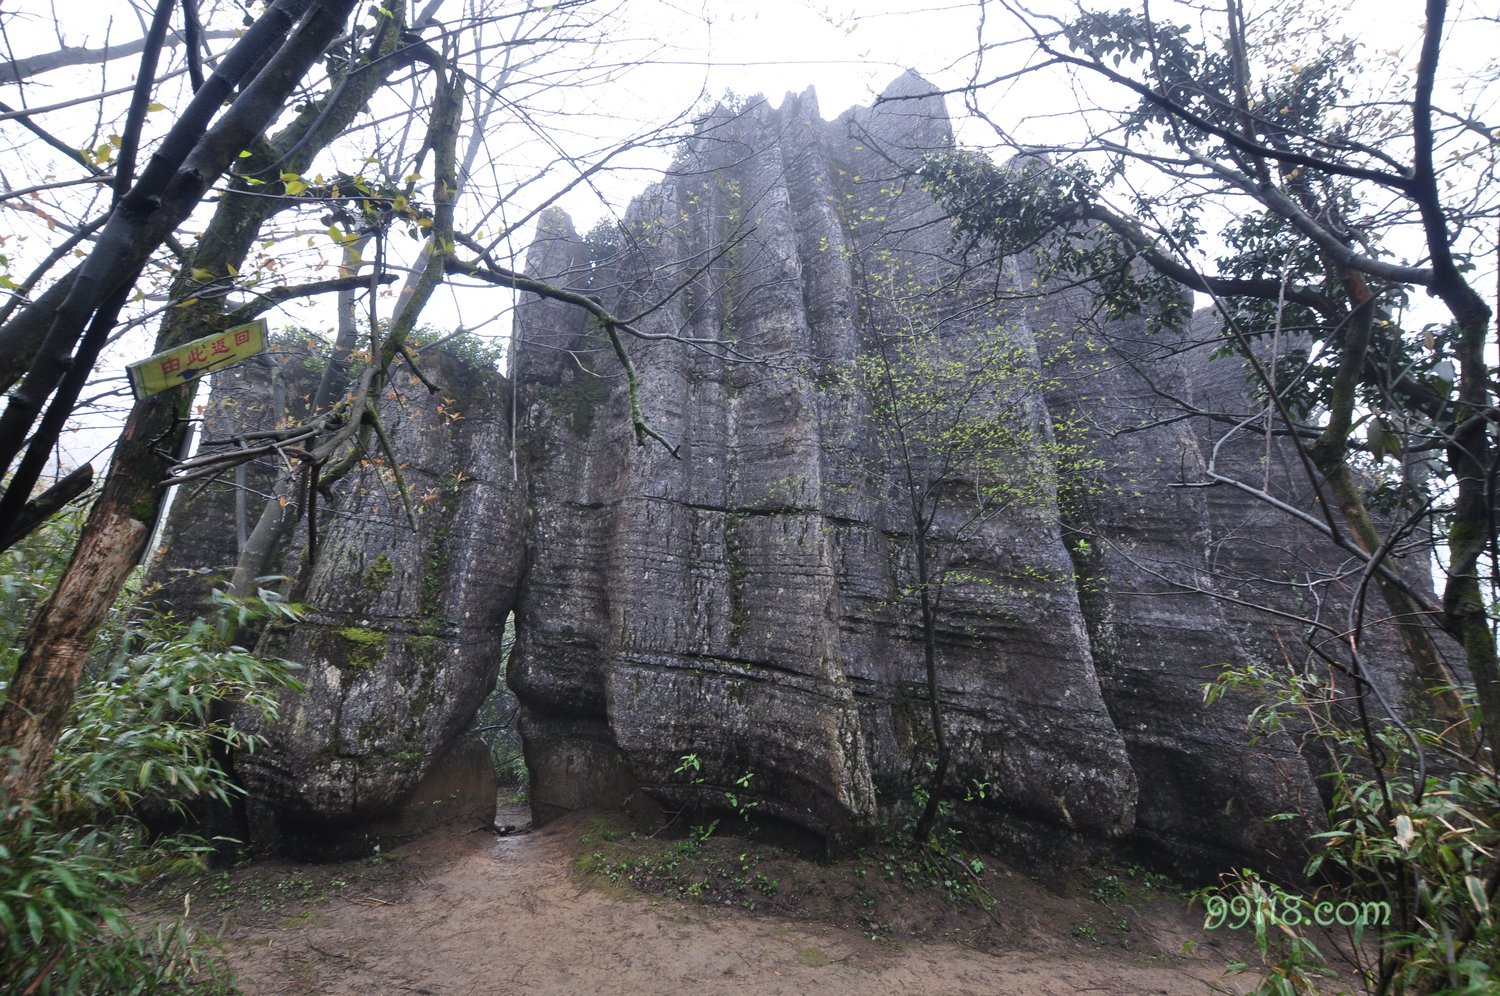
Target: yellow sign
[[196, 358]]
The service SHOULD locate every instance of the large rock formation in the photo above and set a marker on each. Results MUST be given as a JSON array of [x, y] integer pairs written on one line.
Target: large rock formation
[[745, 600], [402, 637], [403, 640], [738, 601]]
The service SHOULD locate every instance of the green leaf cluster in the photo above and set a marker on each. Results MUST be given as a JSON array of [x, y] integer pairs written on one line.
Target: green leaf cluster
[[1400, 833], [146, 729], [1049, 211]]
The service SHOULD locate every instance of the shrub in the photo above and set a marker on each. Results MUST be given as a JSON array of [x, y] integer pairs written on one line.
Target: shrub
[[1413, 837], [148, 726]]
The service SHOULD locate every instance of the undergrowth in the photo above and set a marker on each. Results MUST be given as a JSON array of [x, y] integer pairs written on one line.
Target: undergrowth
[[146, 726], [1403, 884], [889, 881]]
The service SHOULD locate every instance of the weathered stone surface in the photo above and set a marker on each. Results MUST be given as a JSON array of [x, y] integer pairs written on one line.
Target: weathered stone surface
[[740, 603], [745, 602], [1151, 554], [403, 639]]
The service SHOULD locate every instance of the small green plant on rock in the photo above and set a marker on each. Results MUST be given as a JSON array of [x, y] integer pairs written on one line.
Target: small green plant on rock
[[737, 798], [738, 802]]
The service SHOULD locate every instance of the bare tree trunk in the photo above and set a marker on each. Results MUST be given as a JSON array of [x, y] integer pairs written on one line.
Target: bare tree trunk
[[41, 693], [1330, 454], [1473, 458], [1410, 620], [1471, 450], [280, 512]]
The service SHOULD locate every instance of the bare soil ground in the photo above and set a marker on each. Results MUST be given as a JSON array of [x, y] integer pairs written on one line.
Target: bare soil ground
[[562, 910]]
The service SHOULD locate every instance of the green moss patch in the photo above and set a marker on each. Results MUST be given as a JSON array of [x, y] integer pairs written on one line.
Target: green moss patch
[[364, 647], [378, 574]]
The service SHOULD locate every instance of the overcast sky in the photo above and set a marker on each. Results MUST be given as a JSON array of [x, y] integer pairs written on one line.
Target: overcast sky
[[848, 51]]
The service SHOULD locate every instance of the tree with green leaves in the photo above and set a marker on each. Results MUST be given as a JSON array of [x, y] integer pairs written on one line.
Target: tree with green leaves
[[146, 732], [1336, 203], [325, 151], [953, 399]]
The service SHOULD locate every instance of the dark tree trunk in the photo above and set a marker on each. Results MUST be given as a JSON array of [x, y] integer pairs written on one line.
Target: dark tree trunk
[[935, 785]]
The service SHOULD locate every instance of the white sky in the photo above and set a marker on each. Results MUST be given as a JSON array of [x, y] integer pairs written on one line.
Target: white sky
[[849, 51]]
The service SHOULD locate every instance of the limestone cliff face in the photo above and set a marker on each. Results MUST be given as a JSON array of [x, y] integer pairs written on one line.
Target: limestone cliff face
[[744, 602], [747, 601], [402, 639], [1152, 553]]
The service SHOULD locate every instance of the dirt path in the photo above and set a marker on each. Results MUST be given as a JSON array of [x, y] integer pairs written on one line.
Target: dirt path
[[476, 914]]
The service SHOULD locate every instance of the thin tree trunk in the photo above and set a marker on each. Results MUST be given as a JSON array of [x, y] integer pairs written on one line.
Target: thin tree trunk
[[1471, 451], [935, 706], [282, 512], [1330, 455], [1437, 678], [41, 693], [1472, 457]]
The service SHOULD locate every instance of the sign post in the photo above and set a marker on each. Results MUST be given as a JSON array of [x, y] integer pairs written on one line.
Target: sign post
[[194, 359]]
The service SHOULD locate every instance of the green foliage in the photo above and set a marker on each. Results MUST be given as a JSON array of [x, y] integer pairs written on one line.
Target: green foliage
[[28, 573], [1416, 846], [1120, 890], [363, 647], [1019, 205], [148, 728], [739, 801], [939, 862], [738, 798], [1310, 159], [1290, 88], [692, 153], [1299, 76], [685, 869], [379, 573], [1049, 210], [469, 349], [313, 349], [956, 412], [1294, 963], [605, 241], [689, 869]]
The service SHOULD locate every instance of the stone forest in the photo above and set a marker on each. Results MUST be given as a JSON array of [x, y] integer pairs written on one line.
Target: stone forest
[[489, 507], [738, 587]]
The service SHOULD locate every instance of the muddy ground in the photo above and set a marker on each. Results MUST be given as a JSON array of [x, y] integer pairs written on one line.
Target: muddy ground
[[587, 906]]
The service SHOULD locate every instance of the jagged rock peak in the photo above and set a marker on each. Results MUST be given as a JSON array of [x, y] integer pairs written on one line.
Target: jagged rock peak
[[910, 84]]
